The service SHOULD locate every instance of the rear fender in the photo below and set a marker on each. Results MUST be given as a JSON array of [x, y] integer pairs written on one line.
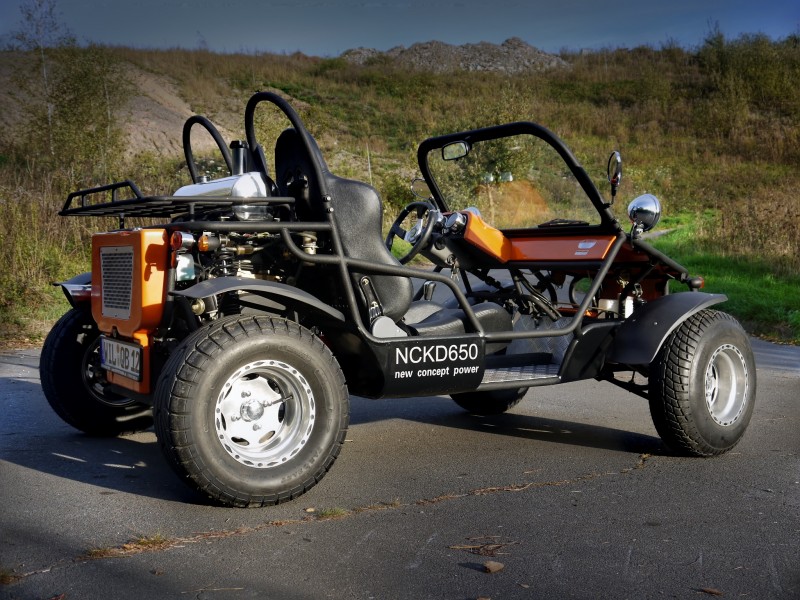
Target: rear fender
[[282, 294], [639, 338], [78, 290]]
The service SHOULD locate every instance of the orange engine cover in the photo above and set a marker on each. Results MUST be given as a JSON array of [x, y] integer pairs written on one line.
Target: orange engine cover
[[128, 290], [128, 280]]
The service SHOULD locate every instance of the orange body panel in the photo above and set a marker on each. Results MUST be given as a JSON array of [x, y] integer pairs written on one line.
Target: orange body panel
[[147, 289], [487, 238], [546, 249], [568, 248], [136, 265]]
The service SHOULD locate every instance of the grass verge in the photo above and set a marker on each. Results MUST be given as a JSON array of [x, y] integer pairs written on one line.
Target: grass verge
[[767, 304]]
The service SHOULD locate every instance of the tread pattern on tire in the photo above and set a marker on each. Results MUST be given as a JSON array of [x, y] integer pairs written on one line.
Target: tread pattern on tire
[[669, 385], [73, 403], [189, 360]]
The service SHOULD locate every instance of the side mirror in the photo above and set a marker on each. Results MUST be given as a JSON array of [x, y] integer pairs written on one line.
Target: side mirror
[[420, 188], [455, 150], [614, 172], [644, 213]]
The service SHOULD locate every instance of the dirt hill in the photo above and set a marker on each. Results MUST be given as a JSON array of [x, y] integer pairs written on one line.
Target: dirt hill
[[156, 115], [152, 119], [156, 111]]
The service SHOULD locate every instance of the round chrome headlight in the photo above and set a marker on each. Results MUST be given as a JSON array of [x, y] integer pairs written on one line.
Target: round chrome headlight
[[644, 212]]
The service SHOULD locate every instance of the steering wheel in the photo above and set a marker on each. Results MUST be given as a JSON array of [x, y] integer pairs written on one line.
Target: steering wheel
[[419, 235], [187, 144]]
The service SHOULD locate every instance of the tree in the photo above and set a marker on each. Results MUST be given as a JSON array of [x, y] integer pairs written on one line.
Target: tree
[[40, 33], [73, 104]]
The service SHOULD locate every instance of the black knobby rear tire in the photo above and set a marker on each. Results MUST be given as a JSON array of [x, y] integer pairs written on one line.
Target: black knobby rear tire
[[251, 411], [74, 385], [702, 385], [486, 404]]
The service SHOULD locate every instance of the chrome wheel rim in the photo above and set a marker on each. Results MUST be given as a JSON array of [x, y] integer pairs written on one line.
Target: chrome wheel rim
[[264, 414], [726, 385]]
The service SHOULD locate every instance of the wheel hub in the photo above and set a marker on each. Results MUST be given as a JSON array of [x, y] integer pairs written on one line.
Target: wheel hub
[[726, 385], [252, 410], [264, 414]]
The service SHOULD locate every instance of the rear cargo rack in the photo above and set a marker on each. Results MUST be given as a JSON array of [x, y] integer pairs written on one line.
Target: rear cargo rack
[[95, 202]]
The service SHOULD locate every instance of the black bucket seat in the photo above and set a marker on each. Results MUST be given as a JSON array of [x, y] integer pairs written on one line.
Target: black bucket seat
[[358, 213]]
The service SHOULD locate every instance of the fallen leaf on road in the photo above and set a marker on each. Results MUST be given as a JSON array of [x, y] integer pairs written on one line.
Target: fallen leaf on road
[[492, 566], [711, 591]]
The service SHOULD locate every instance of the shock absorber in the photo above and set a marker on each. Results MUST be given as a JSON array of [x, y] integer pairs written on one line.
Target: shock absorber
[[226, 263]]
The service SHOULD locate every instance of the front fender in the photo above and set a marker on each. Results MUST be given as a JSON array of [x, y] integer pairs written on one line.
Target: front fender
[[639, 338], [279, 292]]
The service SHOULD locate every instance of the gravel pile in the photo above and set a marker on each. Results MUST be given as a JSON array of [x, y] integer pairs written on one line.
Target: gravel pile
[[512, 56]]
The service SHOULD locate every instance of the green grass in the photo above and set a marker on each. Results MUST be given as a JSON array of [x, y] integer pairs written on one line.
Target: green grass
[[24, 324], [768, 305], [332, 513]]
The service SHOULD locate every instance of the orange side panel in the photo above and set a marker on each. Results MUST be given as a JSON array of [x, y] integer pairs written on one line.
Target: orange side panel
[[487, 238], [546, 249], [145, 287], [568, 248]]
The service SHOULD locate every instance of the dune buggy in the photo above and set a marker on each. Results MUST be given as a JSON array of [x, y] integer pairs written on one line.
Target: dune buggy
[[240, 322]]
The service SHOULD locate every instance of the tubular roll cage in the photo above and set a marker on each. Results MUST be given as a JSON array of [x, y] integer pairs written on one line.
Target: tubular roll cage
[[188, 206]]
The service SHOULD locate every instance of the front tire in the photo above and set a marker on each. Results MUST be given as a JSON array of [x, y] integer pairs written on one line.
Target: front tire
[[75, 386], [702, 385], [251, 411]]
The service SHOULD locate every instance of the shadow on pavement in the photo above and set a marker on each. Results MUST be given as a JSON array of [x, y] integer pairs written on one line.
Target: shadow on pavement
[[33, 437], [445, 413]]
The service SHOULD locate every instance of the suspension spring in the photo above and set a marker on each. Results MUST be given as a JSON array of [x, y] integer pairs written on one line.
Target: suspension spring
[[226, 264]]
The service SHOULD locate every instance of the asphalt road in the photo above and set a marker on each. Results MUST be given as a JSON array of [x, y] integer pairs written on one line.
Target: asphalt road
[[571, 491]]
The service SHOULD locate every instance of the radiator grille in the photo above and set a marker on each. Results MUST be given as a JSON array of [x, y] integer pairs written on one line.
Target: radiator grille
[[116, 267]]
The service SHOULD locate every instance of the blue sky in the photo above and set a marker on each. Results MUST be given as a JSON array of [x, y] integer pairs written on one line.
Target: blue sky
[[327, 28]]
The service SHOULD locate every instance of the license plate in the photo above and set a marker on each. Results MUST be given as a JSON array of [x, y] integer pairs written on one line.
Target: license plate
[[121, 357]]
